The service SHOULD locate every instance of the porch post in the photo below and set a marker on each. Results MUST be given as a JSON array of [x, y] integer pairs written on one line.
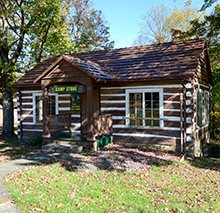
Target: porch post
[[45, 97], [90, 110]]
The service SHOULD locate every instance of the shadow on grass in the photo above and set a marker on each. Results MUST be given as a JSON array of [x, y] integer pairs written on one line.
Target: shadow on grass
[[11, 148], [114, 158], [206, 163]]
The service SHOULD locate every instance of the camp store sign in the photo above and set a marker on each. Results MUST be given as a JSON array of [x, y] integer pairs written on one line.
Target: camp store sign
[[75, 95]]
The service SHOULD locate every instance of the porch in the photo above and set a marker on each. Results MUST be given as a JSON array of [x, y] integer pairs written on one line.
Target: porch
[[62, 130]]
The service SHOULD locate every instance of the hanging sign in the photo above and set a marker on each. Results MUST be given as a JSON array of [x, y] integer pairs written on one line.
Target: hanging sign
[[69, 89], [75, 102]]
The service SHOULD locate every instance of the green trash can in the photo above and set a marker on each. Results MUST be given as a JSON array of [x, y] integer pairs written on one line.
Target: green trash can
[[100, 141], [108, 139]]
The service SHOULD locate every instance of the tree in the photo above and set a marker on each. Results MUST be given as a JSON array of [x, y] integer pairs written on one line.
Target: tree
[[78, 28], [209, 27], [154, 26], [160, 20], [87, 27], [30, 30]]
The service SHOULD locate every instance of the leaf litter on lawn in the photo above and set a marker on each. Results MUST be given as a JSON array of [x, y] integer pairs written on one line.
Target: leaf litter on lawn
[[118, 157], [117, 179]]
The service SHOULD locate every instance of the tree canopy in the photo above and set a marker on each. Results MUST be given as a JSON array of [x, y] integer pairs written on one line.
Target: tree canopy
[[158, 22], [30, 30]]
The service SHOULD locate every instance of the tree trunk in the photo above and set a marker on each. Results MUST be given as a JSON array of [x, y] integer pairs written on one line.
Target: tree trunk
[[8, 108]]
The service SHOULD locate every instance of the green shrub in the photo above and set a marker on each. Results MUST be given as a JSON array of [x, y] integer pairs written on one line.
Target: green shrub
[[33, 140], [216, 124]]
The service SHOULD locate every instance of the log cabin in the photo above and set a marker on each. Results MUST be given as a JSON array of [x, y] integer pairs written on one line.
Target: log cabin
[[144, 95]]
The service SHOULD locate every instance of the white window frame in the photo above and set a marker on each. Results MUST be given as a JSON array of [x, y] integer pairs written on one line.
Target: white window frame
[[160, 91], [206, 116], [34, 104]]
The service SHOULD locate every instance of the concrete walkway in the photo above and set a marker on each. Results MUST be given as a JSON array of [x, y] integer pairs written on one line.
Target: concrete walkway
[[14, 165]]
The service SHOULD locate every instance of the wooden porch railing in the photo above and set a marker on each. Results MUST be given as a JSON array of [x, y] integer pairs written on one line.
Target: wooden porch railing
[[102, 124], [59, 122]]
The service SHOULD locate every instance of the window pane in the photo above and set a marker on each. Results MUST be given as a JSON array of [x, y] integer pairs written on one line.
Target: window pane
[[136, 108], [52, 105], [147, 113], [131, 100], [132, 113], [199, 108], [132, 122], [147, 96], [156, 104], [147, 104], [39, 109], [206, 107], [156, 96], [156, 114], [156, 123], [147, 122]]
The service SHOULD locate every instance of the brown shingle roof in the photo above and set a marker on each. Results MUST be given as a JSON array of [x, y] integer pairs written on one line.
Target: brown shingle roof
[[166, 60]]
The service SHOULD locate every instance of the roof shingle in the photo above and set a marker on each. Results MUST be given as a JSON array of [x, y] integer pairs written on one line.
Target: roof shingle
[[166, 60]]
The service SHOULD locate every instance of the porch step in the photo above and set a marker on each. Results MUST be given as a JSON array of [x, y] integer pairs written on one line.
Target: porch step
[[63, 148]]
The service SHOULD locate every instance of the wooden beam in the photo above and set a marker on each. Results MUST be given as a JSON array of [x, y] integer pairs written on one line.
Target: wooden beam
[[90, 110], [45, 97]]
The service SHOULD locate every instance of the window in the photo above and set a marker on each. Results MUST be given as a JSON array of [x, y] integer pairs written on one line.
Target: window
[[38, 109], [206, 107], [144, 108], [38, 102], [199, 108]]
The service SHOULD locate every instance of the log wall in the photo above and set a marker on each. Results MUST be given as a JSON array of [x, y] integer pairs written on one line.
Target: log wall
[[113, 101]]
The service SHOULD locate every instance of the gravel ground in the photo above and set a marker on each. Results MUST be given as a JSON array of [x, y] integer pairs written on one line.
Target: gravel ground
[[120, 158]]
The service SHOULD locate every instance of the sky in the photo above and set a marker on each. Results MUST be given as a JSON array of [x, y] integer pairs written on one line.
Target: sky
[[124, 16]]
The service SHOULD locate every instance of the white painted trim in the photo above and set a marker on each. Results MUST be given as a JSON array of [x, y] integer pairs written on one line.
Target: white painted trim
[[201, 128], [120, 126], [75, 131], [171, 128], [27, 116], [115, 95], [146, 127], [34, 104], [112, 108], [33, 130], [26, 109], [172, 102], [32, 91], [136, 127], [172, 110], [158, 89], [65, 102], [75, 116], [146, 87], [145, 135], [118, 117], [172, 118], [113, 101], [76, 124], [64, 108], [196, 83], [63, 95], [29, 103], [26, 97], [171, 93], [28, 123]]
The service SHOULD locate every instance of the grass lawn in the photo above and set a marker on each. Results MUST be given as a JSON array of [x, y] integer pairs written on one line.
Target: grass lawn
[[11, 148], [190, 186]]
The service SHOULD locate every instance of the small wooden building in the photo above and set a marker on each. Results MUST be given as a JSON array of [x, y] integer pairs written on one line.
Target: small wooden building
[[155, 94]]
